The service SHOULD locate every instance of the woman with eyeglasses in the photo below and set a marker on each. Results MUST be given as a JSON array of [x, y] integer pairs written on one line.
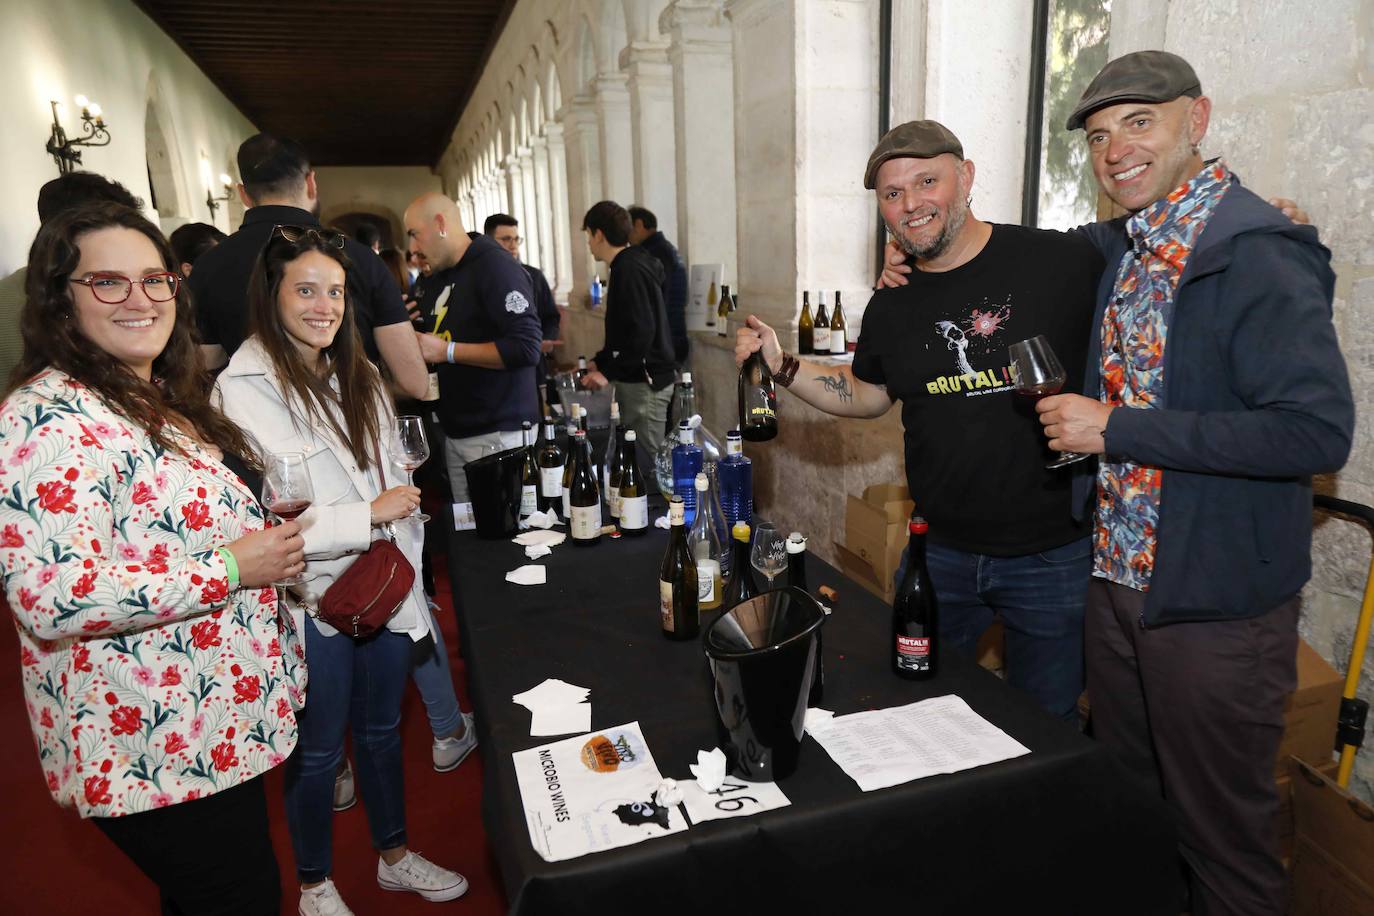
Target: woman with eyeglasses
[[160, 679], [302, 383]]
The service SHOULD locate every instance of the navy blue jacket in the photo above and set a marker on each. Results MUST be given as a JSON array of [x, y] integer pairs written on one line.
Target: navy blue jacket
[[674, 290], [1256, 400], [485, 298]]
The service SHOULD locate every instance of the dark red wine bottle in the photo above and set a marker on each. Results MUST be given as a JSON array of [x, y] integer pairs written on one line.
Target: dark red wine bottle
[[915, 616]]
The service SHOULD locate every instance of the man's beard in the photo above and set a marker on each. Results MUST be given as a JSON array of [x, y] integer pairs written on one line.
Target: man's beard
[[952, 221]]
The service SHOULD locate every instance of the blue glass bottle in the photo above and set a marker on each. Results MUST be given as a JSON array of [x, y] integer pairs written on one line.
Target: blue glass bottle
[[736, 482], [686, 467]]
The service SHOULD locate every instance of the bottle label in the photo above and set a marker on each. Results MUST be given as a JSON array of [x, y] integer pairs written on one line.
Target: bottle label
[[913, 653], [567, 512], [665, 605], [586, 522], [432, 391], [613, 500], [838, 344], [707, 572], [634, 512], [550, 482], [820, 340], [529, 500]]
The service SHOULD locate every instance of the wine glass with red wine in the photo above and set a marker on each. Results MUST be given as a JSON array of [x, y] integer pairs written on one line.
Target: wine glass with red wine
[[1038, 373], [286, 493]]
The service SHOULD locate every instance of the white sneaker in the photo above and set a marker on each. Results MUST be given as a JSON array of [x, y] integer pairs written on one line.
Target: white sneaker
[[345, 794], [449, 752], [418, 874], [323, 900]]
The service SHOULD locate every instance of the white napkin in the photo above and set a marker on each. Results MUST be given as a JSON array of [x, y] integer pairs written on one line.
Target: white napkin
[[709, 769], [817, 718], [662, 522], [543, 519], [561, 720], [551, 692], [668, 793], [535, 536], [528, 575], [535, 551]]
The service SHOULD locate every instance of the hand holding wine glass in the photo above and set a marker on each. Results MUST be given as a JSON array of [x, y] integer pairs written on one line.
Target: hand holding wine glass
[[1037, 373], [287, 493], [411, 449], [769, 553]]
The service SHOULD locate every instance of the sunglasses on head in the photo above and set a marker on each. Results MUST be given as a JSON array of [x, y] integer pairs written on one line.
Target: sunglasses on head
[[294, 234]]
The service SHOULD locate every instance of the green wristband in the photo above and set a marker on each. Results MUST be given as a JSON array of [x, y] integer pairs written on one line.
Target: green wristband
[[231, 566]]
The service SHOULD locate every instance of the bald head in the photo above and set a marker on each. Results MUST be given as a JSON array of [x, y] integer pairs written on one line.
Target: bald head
[[434, 230]]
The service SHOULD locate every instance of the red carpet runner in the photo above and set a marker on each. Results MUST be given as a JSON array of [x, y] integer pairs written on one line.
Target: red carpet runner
[[56, 864]]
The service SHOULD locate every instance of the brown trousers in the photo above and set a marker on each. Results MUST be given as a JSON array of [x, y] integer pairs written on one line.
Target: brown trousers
[[1195, 711]]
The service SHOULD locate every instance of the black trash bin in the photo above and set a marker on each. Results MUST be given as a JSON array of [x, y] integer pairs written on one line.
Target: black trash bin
[[762, 654], [494, 488]]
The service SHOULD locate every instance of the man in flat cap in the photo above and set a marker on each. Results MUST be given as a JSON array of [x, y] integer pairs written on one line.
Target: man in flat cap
[[1216, 389], [1003, 539]]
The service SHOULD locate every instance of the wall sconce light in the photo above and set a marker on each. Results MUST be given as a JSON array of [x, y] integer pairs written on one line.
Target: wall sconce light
[[62, 149], [212, 201]]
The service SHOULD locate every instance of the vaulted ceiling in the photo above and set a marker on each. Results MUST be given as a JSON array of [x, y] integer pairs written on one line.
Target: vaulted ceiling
[[357, 82]]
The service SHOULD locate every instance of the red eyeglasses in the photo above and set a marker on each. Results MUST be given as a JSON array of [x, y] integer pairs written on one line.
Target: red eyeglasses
[[112, 288]]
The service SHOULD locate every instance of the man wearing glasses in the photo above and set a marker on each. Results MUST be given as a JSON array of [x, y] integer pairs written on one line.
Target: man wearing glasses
[[279, 190]]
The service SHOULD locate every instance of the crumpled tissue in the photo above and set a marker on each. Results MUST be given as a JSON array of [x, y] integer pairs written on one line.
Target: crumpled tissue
[[528, 575], [541, 520], [817, 718], [662, 522], [709, 769], [668, 794], [547, 538], [535, 551]]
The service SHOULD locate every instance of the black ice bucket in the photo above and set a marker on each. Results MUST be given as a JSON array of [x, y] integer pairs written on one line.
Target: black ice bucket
[[494, 488], [762, 653]]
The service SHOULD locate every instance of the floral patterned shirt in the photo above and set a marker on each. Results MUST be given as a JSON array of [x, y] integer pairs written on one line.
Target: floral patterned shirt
[[147, 681], [1134, 328]]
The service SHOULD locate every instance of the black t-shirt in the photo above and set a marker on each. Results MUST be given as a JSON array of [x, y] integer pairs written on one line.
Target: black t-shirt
[[975, 450], [219, 284]]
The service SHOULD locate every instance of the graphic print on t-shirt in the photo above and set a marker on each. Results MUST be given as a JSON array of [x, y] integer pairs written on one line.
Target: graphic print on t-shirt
[[978, 362]]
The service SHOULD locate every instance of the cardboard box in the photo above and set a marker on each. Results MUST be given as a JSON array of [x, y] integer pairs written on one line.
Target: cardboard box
[[862, 572], [875, 528], [1285, 818], [1333, 859], [1309, 715]]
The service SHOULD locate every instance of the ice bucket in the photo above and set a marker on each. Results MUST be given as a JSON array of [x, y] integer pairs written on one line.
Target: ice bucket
[[494, 488]]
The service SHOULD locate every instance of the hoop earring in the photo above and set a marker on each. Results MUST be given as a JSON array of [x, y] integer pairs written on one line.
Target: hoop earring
[[443, 234]]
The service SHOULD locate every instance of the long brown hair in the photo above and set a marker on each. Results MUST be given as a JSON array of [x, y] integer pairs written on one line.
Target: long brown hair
[[53, 338], [359, 383]]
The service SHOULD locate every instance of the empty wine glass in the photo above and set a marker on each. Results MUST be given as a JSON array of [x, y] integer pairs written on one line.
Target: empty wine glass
[[286, 493], [769, 553], [411, 448], [1037, 373]]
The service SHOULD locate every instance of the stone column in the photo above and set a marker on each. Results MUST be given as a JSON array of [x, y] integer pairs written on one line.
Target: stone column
[[542, 230], [617, 143], [563, 236], [533, 212], [515, 186], [655, 149], [703, 119], [583, 182]]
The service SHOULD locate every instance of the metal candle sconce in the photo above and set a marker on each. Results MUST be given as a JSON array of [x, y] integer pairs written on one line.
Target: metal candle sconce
[[63, 149]]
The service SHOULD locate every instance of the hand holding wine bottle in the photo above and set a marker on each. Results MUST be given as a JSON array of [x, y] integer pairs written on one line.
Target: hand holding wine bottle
[[754, 336]]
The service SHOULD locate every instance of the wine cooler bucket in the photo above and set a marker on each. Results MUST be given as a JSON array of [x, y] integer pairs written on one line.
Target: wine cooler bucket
[[762, 654], [494, 488]]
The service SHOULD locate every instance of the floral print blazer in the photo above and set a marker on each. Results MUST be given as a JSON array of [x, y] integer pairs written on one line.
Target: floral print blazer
[[148, 682]]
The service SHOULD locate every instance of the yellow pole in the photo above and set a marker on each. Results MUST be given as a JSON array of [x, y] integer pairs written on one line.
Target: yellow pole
[[1352, 671]]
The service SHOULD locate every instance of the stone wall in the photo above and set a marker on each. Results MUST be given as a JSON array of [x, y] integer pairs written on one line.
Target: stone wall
[[1292, 83]]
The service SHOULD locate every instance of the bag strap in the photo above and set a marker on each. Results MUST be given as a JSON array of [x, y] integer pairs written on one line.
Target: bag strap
[[387, 529]]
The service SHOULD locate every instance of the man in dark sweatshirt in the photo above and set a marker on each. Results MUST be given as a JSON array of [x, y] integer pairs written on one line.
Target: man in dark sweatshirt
[[484, 336], [645, 233], [638, 354]]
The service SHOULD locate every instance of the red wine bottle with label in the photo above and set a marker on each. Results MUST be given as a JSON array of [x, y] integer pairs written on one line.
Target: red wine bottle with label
[[915, 617]]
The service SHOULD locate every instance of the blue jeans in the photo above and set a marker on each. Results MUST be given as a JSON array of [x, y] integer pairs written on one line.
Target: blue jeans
[[435, 682], [1041, 599], [359, 682]]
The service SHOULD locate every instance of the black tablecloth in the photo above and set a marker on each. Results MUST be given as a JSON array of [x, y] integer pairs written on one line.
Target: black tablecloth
[[1055, 831]]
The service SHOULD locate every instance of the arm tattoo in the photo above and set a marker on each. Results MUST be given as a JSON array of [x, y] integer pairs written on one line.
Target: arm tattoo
[[838, 385]]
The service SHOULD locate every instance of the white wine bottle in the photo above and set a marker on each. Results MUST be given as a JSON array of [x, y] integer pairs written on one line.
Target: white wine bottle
[[584, 498], [677, 580], [634, 498], [839, 332], [706, 547], [550, 469], [529, 473]]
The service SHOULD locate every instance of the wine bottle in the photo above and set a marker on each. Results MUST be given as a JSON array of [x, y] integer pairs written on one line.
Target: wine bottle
[[839, 340], [683, 406], [584, 526], [570, 462], [741, 587], [723, 310], [529, 473], [677, 580], [550, 469], [736, 482], [715, 513], [915, 616], [820, 335], [581, 370], [758, 400], [705, 544], [634, 498], [796, 578], [686, 465], [610, 463], [805, 326]]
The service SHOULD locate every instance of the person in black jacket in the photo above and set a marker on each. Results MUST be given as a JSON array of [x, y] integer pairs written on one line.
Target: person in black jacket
[[638, 354], [644, 233], [504, 230]]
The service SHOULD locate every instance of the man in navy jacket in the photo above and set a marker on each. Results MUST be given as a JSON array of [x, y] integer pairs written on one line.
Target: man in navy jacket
[[1221, 390]]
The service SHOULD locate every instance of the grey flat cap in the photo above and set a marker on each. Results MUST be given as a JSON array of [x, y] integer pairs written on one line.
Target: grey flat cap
[[1142, 76], [913, 140]]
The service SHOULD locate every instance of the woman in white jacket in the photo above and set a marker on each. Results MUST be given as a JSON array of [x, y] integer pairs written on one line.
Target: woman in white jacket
[[302, 383]]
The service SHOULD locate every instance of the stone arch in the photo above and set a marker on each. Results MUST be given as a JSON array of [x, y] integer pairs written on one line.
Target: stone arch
[[167, 193], [614, 35], [587, 55], [553, 92], [346, 217]]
